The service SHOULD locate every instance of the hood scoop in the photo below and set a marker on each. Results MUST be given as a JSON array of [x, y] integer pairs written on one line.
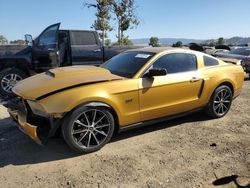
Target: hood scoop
[[51, 74]]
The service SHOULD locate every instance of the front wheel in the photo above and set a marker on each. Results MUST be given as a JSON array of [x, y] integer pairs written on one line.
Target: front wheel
[[9, 77], [88, 129], [220, 102]]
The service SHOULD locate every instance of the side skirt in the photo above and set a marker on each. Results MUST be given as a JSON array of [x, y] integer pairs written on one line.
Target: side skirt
[[158, 120]]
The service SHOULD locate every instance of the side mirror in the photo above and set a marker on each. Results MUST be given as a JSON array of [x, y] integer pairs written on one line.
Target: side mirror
[[155, 72], [29, 39]]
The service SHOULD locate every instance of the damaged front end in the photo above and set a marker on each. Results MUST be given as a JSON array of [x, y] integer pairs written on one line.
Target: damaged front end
[[38, 126]]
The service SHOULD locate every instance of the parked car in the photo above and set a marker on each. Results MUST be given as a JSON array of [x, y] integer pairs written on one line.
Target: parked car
[[231, 60], [53, 48], [138, 87], [240, 53], [208, 49]]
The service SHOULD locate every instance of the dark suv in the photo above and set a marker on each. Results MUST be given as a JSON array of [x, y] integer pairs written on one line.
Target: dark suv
[[53, 48]]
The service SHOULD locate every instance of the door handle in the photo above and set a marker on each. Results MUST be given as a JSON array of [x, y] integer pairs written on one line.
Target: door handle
[[195, 79], [97, 50]]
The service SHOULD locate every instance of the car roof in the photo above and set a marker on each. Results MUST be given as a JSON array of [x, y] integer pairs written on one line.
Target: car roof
[[156, 49]]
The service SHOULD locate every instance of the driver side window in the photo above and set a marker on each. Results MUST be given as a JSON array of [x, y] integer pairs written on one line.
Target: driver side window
[[176, 63], [49, 36]]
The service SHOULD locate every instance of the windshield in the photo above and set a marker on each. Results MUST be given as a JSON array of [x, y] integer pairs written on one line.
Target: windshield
[[127, 64]]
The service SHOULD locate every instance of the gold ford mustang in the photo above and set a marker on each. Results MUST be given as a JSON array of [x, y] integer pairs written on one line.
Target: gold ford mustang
[[88, 104]]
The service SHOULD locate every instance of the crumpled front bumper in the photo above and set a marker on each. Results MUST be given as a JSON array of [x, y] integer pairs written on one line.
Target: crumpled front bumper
[[39, 128], [27, 128]]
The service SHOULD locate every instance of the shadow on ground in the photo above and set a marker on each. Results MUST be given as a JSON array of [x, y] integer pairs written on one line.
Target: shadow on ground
[[17, 149], [228, 179]]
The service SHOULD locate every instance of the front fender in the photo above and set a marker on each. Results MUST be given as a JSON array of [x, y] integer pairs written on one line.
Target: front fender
[[121, 96], [66, 101], [20, 61]]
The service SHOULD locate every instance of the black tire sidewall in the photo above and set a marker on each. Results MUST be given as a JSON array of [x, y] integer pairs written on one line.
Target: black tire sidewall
[[7, 71], [211, 103], [68, 122]]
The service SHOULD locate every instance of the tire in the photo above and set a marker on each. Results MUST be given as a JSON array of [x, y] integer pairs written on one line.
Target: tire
[[82, 134], [220, 102], [8, 79]]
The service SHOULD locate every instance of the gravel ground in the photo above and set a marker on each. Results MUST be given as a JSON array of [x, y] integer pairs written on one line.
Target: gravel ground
[[192, 151]]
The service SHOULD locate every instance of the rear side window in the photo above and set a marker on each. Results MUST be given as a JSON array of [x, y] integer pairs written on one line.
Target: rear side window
[[208, 61], [177, 62], [83, 38]]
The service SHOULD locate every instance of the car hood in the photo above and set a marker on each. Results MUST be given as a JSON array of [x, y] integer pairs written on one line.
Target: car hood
[[23, 54], [56, 80], [24, 51]]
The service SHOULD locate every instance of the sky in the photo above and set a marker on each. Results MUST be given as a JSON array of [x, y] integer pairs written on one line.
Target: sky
[[193, 19]]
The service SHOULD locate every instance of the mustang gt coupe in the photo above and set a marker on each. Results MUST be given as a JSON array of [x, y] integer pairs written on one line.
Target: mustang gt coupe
[[137, 87]]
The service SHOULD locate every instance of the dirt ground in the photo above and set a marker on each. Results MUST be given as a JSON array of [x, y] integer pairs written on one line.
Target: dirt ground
[[192, 151]]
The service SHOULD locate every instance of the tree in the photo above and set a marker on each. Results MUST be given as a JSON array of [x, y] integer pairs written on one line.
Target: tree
[[124, 11], [212, 43], [177, 44], [102, 17], [107, 42], [220, 41], [3, 40], [154, 41], [125, 41]]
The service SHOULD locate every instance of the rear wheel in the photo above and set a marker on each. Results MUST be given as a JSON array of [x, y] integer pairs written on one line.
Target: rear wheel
[[9, 77], [220, 102], [88, 129]]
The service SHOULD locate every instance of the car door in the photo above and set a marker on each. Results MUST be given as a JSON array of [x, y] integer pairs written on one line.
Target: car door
[[176, 92], [85, 48], [45, 49]]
